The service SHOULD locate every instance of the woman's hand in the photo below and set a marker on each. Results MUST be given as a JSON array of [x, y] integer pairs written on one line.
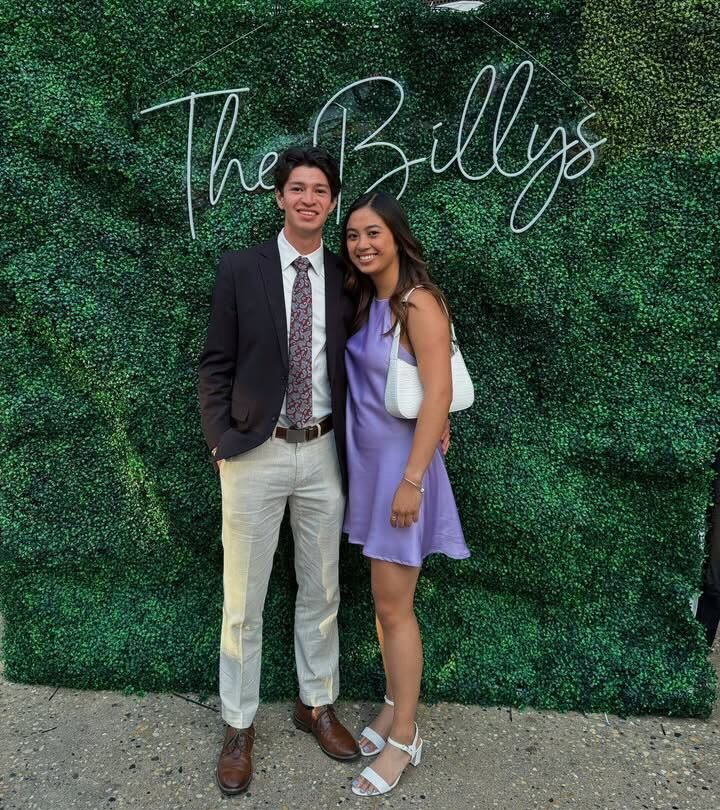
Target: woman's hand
[[405, 509], [445, 438]]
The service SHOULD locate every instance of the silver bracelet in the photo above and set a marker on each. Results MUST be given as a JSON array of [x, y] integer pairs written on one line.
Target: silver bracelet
[[419, 487]]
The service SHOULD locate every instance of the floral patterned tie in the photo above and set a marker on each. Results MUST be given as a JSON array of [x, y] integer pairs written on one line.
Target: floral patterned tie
[[299, 391]]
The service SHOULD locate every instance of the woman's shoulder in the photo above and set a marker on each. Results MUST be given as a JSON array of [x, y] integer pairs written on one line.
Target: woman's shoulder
[[424, 300]]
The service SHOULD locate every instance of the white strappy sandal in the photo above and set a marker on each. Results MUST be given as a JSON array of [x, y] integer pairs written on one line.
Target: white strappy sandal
[[372, 736], [380, 785]]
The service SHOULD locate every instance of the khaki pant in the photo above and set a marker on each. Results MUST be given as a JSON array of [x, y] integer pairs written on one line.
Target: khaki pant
[[255, 488]]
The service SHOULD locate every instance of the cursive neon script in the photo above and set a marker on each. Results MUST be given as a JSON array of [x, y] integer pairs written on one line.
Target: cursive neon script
[[562, 156]]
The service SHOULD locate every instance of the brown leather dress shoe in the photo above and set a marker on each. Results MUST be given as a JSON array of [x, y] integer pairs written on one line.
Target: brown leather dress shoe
[[234, 768], [334, 739]]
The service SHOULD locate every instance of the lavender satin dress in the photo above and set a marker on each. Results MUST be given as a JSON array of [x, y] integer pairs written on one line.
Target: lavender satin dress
[[378, 447]]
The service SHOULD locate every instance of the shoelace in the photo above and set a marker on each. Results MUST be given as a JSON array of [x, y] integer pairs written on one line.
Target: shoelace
[[326, 712], [237, 741]]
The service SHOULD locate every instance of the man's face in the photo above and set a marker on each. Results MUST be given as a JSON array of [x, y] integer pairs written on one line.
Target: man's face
[[306, 201]]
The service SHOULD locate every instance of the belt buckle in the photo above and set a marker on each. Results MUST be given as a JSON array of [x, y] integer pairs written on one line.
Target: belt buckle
[[295, 435], [306, 434]]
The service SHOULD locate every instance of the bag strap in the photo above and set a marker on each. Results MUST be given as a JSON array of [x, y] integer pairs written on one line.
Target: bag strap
[[407, 295], [406, 298]]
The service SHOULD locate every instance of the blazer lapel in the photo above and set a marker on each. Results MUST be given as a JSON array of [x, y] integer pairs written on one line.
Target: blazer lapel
[[333, 308], [271, 273]]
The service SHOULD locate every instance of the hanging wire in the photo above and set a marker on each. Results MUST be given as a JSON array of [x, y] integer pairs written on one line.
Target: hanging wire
[[285, 7], [280, 7]]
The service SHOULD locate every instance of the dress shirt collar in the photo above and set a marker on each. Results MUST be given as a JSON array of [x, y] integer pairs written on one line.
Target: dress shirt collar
[[288, 254]]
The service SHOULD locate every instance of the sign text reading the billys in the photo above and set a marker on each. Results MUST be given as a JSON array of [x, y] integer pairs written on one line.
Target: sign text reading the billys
[[560, 156]]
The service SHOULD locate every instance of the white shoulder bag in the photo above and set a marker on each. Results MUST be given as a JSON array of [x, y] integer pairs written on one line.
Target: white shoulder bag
[[404, 391]]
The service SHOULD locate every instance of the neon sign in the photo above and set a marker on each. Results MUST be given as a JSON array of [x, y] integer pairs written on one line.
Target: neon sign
[[561, 156]]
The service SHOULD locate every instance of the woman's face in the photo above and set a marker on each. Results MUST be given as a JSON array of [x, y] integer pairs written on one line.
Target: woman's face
[[370, 243]]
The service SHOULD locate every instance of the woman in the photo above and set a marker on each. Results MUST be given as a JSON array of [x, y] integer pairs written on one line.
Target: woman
[[400, 504]]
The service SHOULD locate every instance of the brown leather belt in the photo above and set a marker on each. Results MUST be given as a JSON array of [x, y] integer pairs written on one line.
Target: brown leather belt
[[306, 434]]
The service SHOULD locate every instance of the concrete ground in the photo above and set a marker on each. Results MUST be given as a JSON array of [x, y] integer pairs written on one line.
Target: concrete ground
[[62, 749]]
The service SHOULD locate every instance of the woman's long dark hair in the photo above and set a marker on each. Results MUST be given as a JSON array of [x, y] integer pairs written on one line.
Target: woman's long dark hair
[[413, 268]]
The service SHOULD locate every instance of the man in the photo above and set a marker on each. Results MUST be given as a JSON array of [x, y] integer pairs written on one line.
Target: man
[[272, 397]]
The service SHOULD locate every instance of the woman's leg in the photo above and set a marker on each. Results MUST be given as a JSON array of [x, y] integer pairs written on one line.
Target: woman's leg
[[383, 720], [381, 642], [393, 588]]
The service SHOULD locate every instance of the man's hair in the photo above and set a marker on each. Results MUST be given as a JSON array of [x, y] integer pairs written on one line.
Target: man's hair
[[313, 156]]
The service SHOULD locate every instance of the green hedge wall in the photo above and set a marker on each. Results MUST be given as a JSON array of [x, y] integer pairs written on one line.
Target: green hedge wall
[[582, 472]]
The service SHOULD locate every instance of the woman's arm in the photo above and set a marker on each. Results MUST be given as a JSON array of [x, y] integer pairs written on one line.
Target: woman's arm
[[429, 333]]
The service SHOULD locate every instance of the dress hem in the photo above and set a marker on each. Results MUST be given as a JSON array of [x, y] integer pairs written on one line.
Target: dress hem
[[458, 556]]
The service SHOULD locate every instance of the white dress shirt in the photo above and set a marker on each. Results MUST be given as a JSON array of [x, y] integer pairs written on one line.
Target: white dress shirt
[[321, 401]]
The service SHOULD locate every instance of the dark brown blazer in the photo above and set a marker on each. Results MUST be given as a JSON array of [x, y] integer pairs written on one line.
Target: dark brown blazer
[[244, 366]]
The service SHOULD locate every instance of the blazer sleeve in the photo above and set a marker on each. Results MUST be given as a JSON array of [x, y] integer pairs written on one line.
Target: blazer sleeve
[[218, 359]]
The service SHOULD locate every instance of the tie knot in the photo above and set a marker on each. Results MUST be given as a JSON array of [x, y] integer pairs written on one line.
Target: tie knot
[[302, 264]]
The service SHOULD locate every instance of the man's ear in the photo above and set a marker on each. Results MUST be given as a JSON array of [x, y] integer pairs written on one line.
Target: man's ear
[[333, 205], [280, 200]]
